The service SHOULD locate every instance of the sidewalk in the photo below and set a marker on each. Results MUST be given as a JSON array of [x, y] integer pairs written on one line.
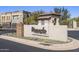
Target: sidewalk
[[73, 29], [67, 46]]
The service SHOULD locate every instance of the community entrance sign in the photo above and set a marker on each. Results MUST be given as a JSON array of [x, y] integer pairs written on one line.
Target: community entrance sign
[[48, 28]]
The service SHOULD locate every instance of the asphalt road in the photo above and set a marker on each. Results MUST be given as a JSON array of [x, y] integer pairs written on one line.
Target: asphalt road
[[10, 46], [74, 34]]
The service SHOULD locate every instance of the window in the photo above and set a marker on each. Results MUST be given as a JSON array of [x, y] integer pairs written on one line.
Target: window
[[8, 17], [42, 22], [2, 17]]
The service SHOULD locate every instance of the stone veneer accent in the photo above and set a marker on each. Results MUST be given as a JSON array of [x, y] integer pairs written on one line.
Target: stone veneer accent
[[19, 30]]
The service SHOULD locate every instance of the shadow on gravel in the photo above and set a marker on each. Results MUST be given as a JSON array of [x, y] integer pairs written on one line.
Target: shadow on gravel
[[6, 31]]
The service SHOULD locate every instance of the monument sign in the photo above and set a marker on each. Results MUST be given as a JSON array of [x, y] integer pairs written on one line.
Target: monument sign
[[48, 28]]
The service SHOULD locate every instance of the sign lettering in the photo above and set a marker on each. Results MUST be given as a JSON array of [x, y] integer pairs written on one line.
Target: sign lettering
[[41, 31]]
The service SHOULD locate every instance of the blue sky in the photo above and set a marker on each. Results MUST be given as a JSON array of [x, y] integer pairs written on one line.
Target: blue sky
[[74, 10]]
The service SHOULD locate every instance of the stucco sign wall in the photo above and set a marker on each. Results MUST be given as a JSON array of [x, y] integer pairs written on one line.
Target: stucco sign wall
[[46, 32]]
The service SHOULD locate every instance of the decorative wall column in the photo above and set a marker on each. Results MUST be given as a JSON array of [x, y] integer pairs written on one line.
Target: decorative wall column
[[19, 30], [57, 21]]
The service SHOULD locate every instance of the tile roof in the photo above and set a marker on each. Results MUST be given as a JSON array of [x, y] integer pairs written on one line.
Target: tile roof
[[50, 14]]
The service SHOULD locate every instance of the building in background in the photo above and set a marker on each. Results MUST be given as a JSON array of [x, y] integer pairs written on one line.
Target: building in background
[[10, 18], [73, 24]]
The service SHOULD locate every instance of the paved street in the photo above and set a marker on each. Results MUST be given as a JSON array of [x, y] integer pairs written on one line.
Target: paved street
[[6, 45], [10, 46], [74, 34]]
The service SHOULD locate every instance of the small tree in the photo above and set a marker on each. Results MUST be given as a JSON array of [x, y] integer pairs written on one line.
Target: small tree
[[77, 19], [64, 14], [33, 18]]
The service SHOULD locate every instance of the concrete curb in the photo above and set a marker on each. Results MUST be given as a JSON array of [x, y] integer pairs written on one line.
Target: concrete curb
[[67, 46]]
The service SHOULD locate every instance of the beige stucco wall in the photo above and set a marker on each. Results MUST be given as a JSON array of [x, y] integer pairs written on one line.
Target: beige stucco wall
[[58, 33]]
